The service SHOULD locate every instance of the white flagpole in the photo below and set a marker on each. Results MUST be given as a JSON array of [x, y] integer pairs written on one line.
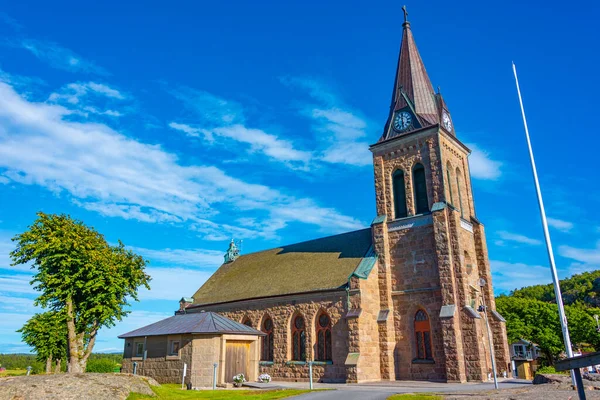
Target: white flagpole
[[557, 293]]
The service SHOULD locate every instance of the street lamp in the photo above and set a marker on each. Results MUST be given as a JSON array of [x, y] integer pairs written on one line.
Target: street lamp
[[481, 282]]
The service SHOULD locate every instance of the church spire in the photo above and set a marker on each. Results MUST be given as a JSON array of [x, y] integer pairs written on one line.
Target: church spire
[[412, 91]]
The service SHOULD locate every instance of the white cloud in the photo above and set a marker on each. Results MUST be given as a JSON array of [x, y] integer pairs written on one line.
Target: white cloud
[[16, 284], [114, 175], [136, 319], [188, 130], [259, 141], [515, 237], [315, 88], [586, 256], [341, 133], [173, 283], [211, 109], [225, 119], [59, 57], [563, 226], [200, 258], [17, 304], [508, 276], [12, 321], [73, 92], [481, 165]]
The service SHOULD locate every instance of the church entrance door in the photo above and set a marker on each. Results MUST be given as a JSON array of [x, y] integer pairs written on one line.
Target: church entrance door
[[237, 357]]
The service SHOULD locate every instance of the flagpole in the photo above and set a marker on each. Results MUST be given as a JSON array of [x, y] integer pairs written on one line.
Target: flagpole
[[557, 293]]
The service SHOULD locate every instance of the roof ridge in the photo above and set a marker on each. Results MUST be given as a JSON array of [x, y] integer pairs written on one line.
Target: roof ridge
[[306, 241]]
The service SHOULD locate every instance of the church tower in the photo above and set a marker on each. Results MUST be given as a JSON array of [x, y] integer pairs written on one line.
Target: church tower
[[433, 268]]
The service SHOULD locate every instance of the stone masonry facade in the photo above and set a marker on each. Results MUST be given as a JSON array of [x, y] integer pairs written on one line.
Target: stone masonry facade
[[434, 260], [430, 262]]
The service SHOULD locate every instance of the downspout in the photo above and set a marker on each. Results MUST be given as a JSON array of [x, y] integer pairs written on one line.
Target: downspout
[[348, 294]]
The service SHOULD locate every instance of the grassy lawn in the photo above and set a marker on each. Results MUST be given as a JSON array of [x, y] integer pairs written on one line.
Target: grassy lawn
[[173, 391], [13, 372], [423, 396]]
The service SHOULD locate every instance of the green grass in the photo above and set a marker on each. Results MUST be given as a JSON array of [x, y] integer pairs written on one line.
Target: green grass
[[423, 396], [13, 372], [173, 391]]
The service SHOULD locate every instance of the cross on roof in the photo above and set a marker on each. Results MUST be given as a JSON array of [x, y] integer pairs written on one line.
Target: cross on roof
[[405, 13]]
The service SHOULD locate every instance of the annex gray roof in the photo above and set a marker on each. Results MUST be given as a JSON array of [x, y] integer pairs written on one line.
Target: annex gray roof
[[198, 323]]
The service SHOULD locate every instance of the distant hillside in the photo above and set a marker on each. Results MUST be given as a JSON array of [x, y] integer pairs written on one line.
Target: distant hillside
[[584, 288], [531, 313]]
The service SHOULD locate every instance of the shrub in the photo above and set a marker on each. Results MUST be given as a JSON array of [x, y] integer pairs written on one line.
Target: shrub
[[100, 365], [549, 370]]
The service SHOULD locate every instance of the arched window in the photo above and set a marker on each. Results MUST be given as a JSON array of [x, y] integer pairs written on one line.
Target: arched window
[[267, 340], [420, 189], [399, 194], [298, 339], [423, 336], [247, 321], [323, 330], [458, 189], [450, 198]]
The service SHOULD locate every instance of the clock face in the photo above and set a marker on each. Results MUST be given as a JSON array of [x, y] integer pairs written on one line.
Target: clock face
[[447, 121], [402, 121]]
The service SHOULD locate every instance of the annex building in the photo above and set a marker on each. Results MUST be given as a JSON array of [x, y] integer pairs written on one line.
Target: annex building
[[398, 300]]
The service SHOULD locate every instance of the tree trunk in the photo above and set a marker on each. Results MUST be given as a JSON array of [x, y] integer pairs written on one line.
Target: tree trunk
[[77, 350], [73, 366], [57, 368], [49, 365]]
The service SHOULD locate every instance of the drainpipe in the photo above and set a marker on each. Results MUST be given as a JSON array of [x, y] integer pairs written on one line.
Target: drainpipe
[[348, 294]]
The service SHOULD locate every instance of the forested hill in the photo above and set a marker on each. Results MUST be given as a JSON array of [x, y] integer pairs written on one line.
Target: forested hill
[[531, 313], [583, 288]]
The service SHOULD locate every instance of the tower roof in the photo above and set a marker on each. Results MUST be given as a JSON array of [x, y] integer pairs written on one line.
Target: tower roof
[[412, 87]]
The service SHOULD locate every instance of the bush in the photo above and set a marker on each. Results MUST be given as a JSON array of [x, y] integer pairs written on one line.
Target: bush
[[549, 370], [100, 365]]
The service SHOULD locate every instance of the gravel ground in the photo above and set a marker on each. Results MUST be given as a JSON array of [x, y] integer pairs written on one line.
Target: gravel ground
[[89, 386], [545, 392]]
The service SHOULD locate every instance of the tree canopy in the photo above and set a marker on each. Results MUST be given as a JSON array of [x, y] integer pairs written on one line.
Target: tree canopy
[[47, 334], [531, 313], [79, 274]]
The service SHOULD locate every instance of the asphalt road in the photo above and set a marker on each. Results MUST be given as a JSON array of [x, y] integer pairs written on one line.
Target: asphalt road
[[382, 390]]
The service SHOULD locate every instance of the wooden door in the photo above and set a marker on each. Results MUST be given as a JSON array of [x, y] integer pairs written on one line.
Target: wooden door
[[237, 357]]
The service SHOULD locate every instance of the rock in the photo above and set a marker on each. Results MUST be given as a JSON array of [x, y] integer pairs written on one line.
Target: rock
[[552, 378], [592, 377], [90, 386]]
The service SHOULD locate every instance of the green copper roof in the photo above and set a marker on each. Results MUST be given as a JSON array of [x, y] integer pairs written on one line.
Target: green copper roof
[[366, 264], [319, 264]]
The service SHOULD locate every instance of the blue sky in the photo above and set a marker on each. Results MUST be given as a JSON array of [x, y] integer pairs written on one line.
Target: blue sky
[[176, 126]]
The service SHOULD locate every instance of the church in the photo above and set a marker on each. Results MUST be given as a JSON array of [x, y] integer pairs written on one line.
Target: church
[[401, 300]]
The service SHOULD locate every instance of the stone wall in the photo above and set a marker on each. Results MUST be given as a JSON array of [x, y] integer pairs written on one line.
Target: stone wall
[[281, 310], [434, 260], [368, 367], [206, 351], [158, 365]]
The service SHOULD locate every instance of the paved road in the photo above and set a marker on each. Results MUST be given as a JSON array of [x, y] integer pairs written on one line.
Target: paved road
[[382, 390]]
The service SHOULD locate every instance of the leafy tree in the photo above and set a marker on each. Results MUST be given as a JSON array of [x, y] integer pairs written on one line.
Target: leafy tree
[[532, 320], [47, 334], [80, 274]]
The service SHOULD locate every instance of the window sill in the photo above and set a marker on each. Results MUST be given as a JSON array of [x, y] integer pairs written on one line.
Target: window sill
[[266, 363], [411, 216], [295, 363], [173, 357], [137, 358], [422, 361], [322, 362]]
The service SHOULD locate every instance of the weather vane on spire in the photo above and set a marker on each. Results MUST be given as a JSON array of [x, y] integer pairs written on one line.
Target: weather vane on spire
[[405, 13]]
